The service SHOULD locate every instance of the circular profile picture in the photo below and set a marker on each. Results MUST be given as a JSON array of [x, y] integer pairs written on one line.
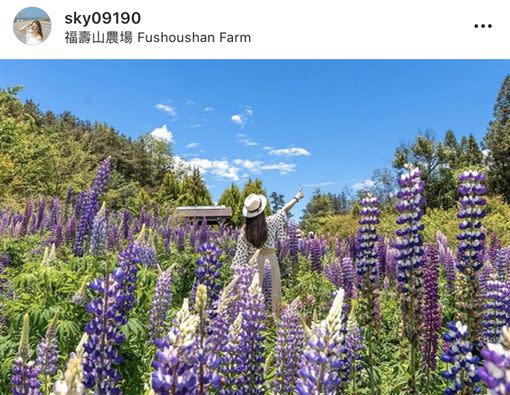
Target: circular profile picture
[[32, 26]]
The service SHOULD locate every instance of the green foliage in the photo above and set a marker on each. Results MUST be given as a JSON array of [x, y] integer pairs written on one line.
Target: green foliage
[[231, 197], [322, 205], [439, 162], [169, 191], [194, 191], [497, 140], [45, 154]]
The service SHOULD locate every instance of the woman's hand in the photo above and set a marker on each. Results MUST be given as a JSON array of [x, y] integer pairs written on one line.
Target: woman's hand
[[297, 197]]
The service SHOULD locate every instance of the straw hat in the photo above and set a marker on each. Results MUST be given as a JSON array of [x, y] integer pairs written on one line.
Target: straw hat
[[254, 205]]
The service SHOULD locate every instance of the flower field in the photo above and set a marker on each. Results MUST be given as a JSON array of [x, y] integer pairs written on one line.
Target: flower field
[[99, 301]]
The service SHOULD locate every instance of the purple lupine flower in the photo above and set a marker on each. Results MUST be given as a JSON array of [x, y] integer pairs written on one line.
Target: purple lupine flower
[[251, 349], [381, 251], [267, 285], [180, 236], [432, 315], [316, 256], [167, 233], [484, 274], [29, 208], [160, 304], [366, 262], [208, 362], [116, 298], [208, 270], [176, 357], [244, 274], [70, 229], [203, 233], [391, 263], [126, 219], [147, 250], [411, 204], [24, 372], [462, 374], [54, 214], [113, 237], [40, 214], [193, 240], [47, 351], [231, 365], [496, 310], [494, 248], [288, 350], [449, 271], [325, 356], [354, 347], [221, 320], [500, 264], [58, 234], [91, 205], [293, 242], [333, 272], [98, 233], [471, 239], [495, 371], [348, 279]]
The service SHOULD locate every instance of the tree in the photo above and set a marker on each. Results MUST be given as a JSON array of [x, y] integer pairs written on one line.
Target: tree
[[194, 191], [169, 190], [384, 186], [277, 201], [497, 141], [321, 205], [433, 158], [231, 197]]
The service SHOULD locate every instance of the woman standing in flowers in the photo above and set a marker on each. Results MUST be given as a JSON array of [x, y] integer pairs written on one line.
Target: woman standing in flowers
[[258, 239]]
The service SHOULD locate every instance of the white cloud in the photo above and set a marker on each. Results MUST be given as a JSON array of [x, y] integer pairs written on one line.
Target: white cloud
[[268, 148], [245, 140], [365, 184], [168, 109], [236, 169], [163, 133], [257, 166], [196, 125], [242, 118], [291, 151], [208, 109], [192, 145], [320, 184], [221, 168], [237, 119]]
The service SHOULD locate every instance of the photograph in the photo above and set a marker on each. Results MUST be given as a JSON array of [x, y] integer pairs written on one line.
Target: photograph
[[32, 26], [254, 226]]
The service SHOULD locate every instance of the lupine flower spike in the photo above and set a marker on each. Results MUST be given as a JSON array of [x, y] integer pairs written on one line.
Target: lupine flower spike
[[470, 249], [324, 356], [495, 371], [24, 371], [410, 258]]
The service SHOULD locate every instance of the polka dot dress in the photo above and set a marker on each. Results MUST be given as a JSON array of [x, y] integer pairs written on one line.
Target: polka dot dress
[[275, 231]]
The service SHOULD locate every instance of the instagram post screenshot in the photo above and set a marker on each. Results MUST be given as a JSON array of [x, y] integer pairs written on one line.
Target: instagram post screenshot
[[254, 198]]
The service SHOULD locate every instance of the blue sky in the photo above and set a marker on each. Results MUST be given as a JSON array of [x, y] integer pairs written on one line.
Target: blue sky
[[318, 123]]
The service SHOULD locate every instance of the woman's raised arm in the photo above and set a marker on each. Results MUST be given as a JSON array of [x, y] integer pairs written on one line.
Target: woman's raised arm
[[299, 195]]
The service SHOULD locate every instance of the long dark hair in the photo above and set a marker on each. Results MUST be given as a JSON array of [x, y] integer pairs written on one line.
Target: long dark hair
[[255, 230], [39, 27]]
